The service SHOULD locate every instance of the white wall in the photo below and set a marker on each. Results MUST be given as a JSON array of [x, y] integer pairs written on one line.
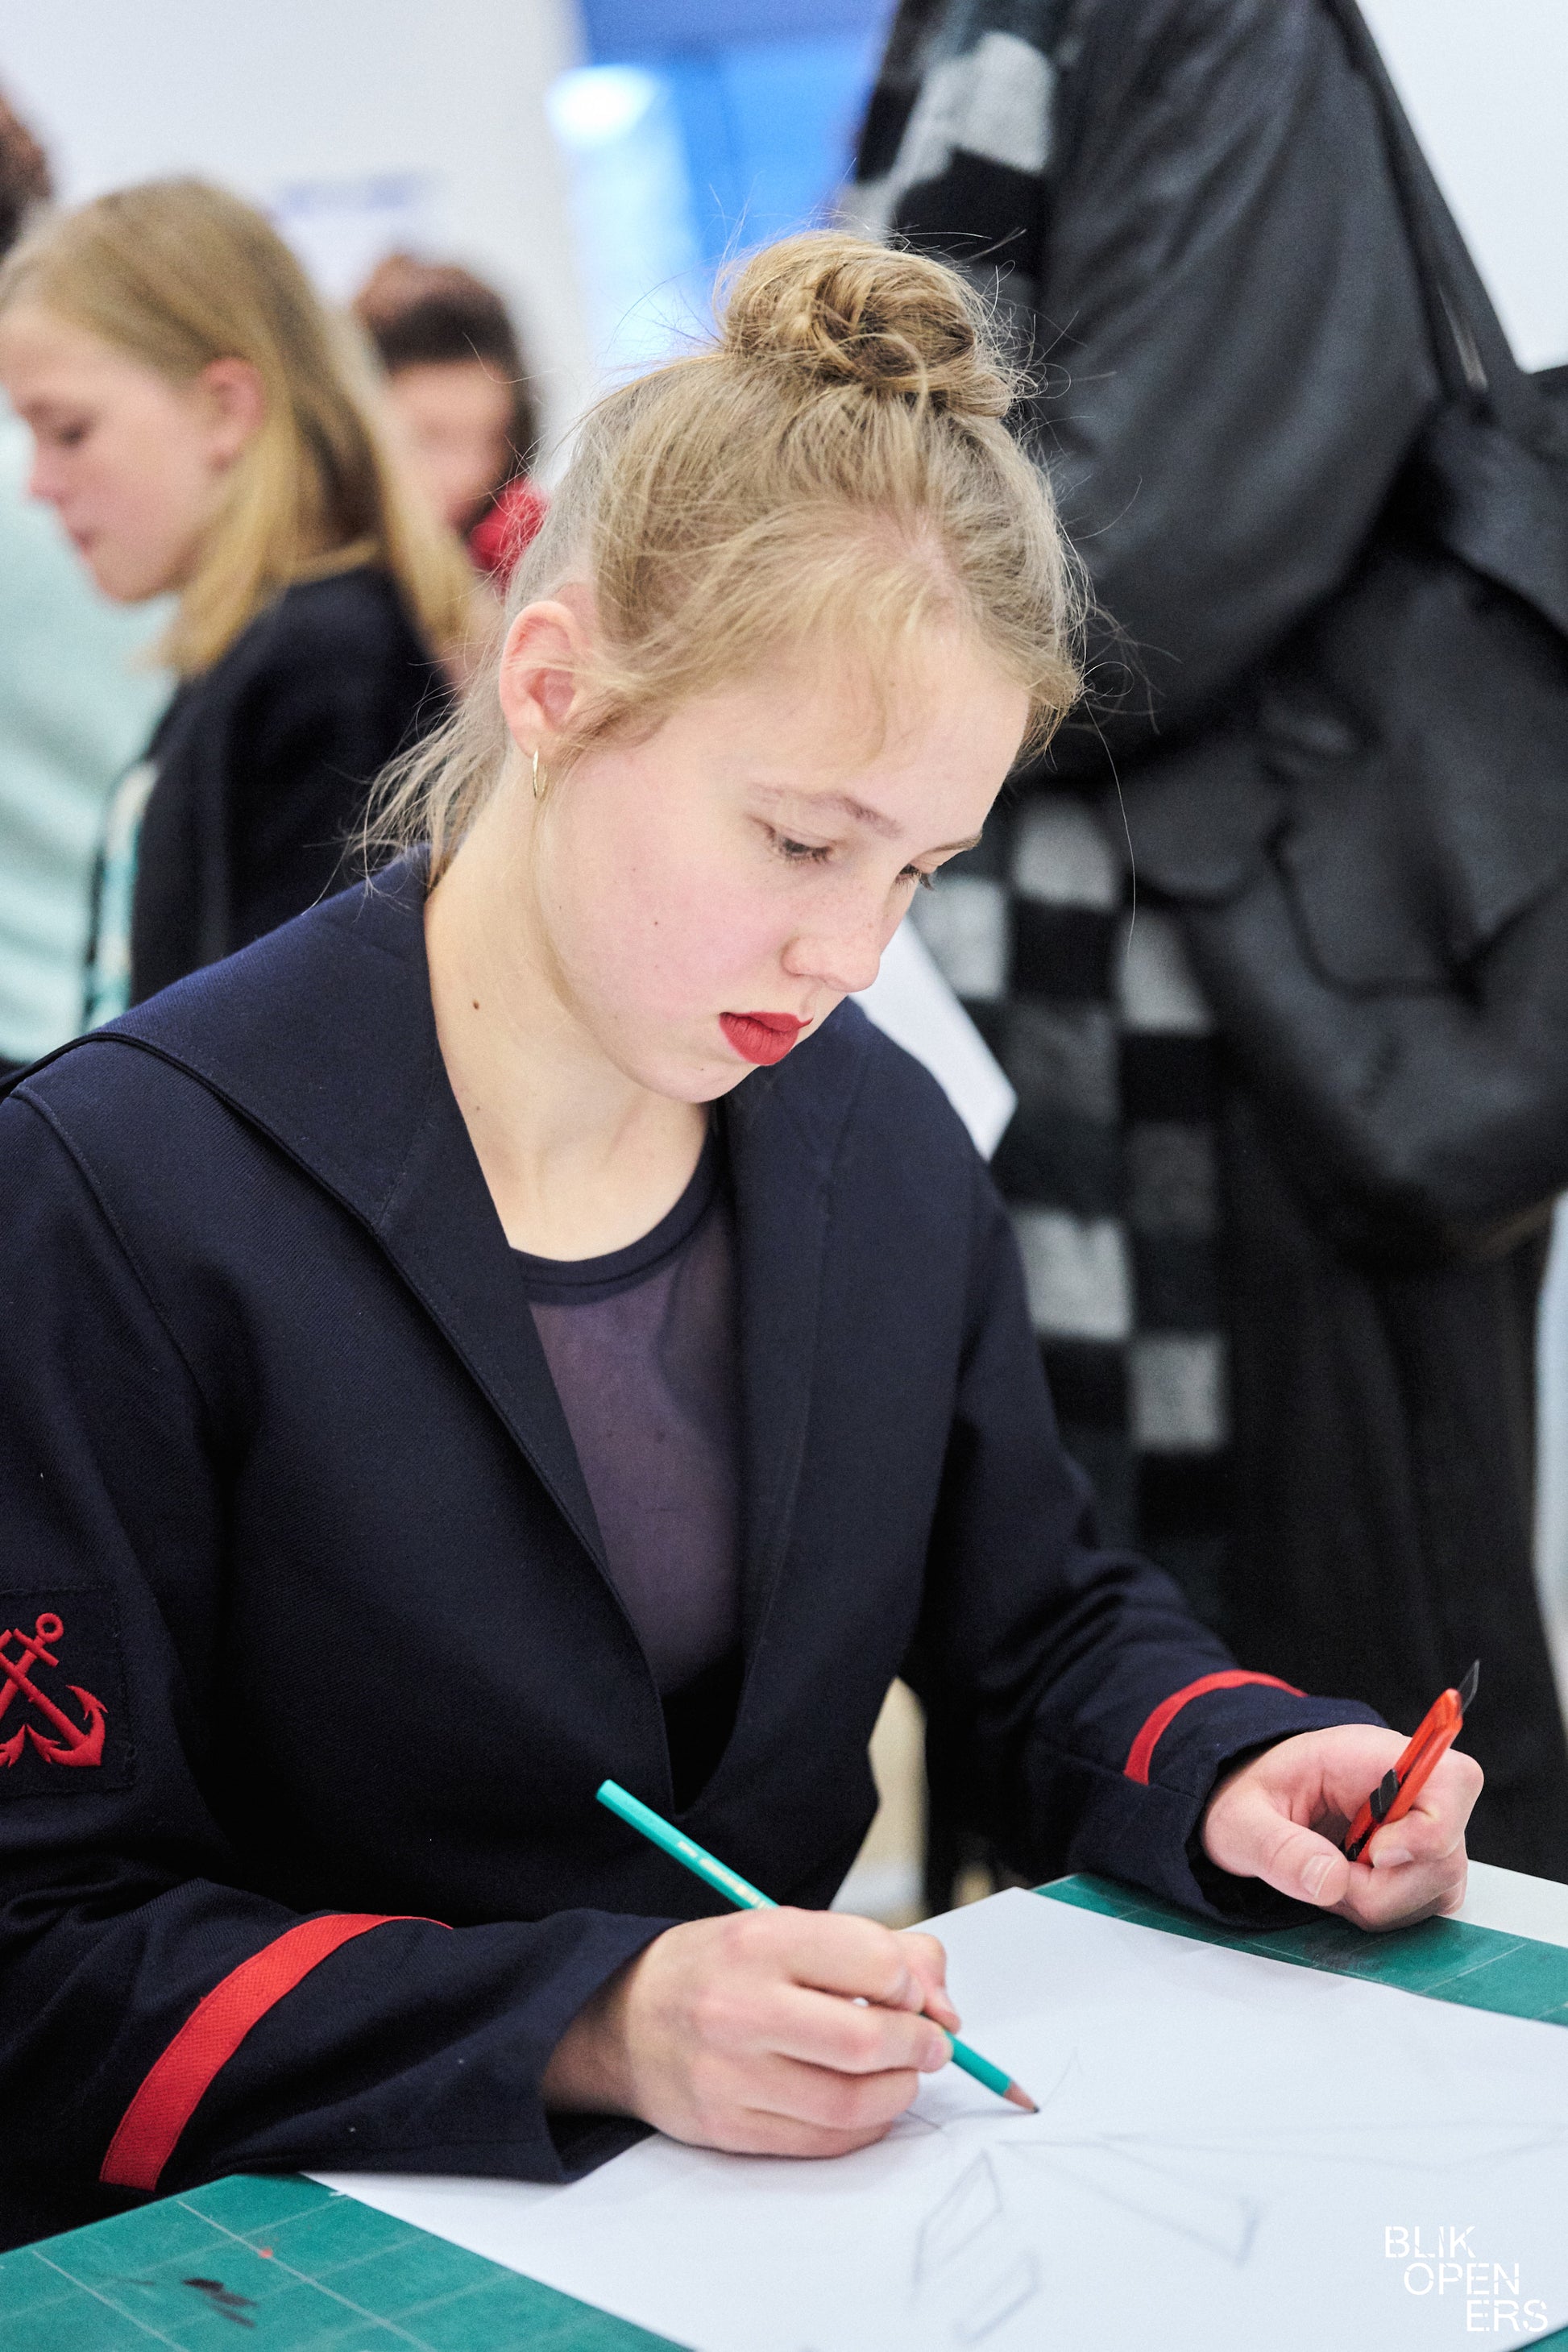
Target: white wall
[[447, 99], [1486, 83]]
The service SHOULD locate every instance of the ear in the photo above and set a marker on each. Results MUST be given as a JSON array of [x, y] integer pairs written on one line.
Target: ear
[[539, 666], [236, 402]]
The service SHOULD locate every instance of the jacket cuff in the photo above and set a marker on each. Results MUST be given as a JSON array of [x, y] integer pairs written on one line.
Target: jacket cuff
[[1200, 1741], [580, 2142], [1146, 1831], [474, 2014]]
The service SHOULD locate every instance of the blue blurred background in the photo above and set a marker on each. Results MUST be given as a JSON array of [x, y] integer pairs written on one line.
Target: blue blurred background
[[696, 126]]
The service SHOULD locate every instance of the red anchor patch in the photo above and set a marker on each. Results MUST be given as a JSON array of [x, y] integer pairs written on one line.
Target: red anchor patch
[[78, 1743]]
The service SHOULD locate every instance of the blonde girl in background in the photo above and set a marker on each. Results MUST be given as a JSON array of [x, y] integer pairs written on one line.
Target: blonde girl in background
[[519, 1326], [203, 427], [78, 701]]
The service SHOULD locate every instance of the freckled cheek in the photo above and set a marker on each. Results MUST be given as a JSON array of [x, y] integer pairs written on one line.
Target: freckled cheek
[[685, 950], [728, 938]]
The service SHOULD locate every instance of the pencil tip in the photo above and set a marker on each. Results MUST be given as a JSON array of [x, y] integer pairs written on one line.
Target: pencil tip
[[1020, 2099]]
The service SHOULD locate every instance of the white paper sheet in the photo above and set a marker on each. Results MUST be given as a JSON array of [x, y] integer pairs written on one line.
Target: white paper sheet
[[1232, 2154]]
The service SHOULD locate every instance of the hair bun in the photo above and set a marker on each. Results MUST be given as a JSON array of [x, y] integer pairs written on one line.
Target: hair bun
[[848, 312]]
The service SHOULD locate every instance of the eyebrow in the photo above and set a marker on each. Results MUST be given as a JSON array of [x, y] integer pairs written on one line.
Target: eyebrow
[[858, 814]]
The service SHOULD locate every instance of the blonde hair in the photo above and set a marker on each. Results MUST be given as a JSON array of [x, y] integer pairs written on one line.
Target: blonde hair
[[177, 274], [835, 464]]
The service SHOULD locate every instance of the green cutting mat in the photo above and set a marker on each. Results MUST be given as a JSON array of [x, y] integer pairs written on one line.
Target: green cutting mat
[[293, 2267], [287, 2266], [1445, 1959]]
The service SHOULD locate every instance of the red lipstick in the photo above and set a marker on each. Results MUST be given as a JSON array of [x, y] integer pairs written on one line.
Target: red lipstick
[[762, 1037]]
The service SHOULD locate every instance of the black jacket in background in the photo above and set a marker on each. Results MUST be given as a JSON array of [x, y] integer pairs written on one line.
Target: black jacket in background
[[1187, 208], [1207, 264], [263, 764]]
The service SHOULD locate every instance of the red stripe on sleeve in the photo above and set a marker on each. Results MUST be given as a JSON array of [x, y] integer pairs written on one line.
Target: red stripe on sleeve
[[167, 2096], [1140, 1753]]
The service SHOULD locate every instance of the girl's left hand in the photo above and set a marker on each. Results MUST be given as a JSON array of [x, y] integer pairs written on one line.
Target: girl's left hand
[[1281, 1818]]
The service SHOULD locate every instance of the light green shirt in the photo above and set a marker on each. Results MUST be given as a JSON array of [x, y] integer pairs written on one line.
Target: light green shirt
[[75, 712]]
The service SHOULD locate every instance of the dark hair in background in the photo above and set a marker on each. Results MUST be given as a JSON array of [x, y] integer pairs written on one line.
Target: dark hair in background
[[432, 313], [25, 179]]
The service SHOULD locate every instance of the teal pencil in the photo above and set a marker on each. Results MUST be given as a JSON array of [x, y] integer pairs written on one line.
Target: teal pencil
[[747, 1897]]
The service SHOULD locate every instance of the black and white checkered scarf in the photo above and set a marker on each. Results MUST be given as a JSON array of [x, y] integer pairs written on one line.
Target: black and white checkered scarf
[[1110, 1166]]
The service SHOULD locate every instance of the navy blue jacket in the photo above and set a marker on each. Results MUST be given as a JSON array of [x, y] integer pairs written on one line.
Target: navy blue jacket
[[296, 1537]]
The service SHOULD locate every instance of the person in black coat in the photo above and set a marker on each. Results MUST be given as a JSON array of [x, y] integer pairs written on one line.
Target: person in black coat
[[203, 429], [1287, 1298], [515, 1326]]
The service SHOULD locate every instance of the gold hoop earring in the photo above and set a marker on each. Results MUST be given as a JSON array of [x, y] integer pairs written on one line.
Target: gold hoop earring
[[539, 781]]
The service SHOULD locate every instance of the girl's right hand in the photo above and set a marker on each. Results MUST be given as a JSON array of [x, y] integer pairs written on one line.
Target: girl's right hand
[[768, 2033]]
